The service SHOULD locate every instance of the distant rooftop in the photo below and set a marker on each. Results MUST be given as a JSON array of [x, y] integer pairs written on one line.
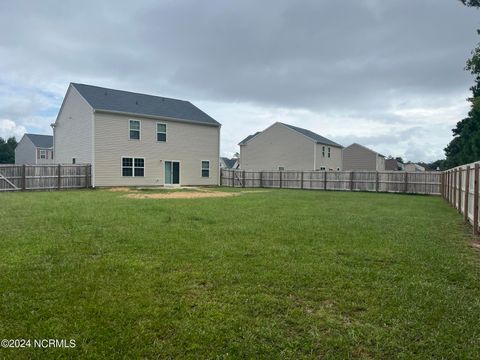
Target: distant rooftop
[[310, 134], [106, 99], [41, 141]]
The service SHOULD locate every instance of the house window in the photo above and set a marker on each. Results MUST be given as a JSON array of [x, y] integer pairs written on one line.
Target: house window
[[161, 132], [281, 168], [133, 167], [74, 161], [205, 168], [328, 152], [42, 154], [323, 151], [134, 127]]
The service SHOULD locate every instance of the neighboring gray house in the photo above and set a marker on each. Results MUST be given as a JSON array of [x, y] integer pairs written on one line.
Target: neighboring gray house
[[394, 165], [34, 149], [359, 157], [412, 167], [286, 147], [135, 139], [226, 163]]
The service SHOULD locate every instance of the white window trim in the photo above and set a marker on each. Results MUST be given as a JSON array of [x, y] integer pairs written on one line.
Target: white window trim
[[156, 132], [45, 152], [201, 169], [139, 130], [133, 166]]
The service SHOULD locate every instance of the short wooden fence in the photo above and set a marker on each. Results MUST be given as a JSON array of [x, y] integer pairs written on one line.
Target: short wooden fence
[[44, 177], [461, 189], [381, 181]]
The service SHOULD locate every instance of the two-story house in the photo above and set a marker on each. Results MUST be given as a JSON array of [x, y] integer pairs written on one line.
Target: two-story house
[[135, 139], [34, 149], [287, 147]]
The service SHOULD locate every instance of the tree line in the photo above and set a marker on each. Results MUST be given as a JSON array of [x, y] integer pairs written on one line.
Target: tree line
[[7, 150]]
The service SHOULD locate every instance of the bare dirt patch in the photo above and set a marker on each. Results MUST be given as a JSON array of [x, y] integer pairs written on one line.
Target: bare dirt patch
[[120, 189], [183, 195]]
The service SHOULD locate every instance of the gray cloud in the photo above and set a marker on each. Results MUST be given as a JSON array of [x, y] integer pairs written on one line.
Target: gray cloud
[[357, 59]]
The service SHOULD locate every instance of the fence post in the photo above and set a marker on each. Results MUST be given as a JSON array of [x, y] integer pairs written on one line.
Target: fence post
[[59, 177], [460, 190], [455, 188], [221, 173], [406, 182], [376, 181], [243, 178], [467, 193], [261, 179], [24, 177], [325, 180], [301, 180], [351, 180], [475, 201], [441, 184], [280, 179]]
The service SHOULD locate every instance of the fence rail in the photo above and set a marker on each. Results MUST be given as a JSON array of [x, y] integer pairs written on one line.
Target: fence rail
[[461, 189], [44, 177], [381, 181]]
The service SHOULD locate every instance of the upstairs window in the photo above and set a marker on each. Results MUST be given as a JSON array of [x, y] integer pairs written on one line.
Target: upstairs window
[[42, 154], [133, 167], [328, 152], [205, 168], [134, 128], [323, 151], [161, 132]]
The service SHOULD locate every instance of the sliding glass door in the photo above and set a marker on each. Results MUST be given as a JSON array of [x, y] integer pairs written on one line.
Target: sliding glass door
[[172, 173]]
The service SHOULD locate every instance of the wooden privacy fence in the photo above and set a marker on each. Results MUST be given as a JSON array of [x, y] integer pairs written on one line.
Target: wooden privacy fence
[[44, 177], [382, 181], [461, 189]]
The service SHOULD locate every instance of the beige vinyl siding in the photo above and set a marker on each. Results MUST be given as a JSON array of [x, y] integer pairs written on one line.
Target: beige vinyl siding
[[278, 146], [380, 163], [356, 157], [73, 130], [25, 152], [333, 162], [186, 142]]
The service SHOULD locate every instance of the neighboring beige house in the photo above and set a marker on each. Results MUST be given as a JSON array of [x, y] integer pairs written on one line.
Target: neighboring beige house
[[135, 139], [34, 149], [412, 167], [286, 147], [359, 157]]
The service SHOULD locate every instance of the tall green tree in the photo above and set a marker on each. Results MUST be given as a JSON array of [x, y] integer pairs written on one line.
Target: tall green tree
[[7, 150], [465, 146]]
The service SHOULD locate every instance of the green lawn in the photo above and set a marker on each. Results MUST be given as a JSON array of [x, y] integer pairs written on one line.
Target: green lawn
[[278, 274]]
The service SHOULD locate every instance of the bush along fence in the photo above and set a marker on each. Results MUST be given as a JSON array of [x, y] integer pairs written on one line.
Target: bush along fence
[[461, 190], [44, 177], [381, 181]]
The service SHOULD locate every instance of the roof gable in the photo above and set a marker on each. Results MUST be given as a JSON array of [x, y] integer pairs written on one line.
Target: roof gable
[[314, 136], [41, 141], [318, 139], [364, 148], [111, 100]]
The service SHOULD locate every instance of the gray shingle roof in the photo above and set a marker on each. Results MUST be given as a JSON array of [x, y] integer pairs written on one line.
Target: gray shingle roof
[[314, 136], [41, 141], [148, 105], [244, 141], [229, 162]]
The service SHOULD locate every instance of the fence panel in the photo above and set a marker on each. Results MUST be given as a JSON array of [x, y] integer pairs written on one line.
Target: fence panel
[[382, 181], [44, 177]]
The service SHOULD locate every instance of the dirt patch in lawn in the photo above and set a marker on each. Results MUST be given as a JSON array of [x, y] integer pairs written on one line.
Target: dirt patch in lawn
[[120, 189], [183, 195]]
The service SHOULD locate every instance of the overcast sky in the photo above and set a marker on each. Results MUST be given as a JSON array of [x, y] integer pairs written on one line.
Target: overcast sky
[[385, 73]]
